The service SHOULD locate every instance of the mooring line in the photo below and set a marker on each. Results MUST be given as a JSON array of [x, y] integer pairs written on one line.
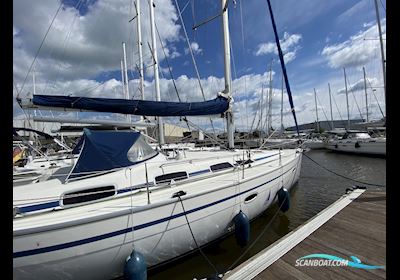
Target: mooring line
[[340, 175], [195, 241]]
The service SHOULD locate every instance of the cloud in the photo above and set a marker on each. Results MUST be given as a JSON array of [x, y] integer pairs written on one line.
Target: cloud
[[195, 48], [81, 46], [289, 41], [266, 48], [359, 85], [289, 46], [352, 11], [288, 57], [355, 51], [173, 52], [15, 31], [368, 24]]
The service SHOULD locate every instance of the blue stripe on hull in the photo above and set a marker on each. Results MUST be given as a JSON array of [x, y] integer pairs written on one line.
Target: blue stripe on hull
[[37, 207]]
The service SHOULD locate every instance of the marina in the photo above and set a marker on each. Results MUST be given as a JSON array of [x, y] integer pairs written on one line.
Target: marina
[[122, 170]]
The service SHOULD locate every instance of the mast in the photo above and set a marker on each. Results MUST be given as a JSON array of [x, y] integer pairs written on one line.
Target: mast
[[34, 93], [381, 43], [282, 108], [376, 99], [140, 44], [227, 68], [330, 103], [347, 99], [155, 67], [261, 110], [316, 109], [269, 100], [366, 96], [281, 59], [267, 115], [126, 81], [123, 78], [34, 82]]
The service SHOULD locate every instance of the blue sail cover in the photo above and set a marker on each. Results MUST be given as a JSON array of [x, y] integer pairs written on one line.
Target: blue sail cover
[[135, 107], [106, 150]]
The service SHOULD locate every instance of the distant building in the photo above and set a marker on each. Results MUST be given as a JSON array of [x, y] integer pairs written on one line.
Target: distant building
[[326, 125], [172, 133]]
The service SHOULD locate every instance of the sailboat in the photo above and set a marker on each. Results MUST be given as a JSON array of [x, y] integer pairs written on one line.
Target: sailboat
[[122, 198], [361, 142], [313, 140], [277, 139], [357, 141], [41, 166]]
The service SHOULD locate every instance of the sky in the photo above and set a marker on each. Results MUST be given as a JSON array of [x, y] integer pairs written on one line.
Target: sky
[[74, 47]]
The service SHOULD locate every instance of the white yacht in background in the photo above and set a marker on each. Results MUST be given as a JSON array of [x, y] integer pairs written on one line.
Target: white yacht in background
[[282, 143], [40, 168], [314, 144], [314, 141], [37, 164], [358, 142]]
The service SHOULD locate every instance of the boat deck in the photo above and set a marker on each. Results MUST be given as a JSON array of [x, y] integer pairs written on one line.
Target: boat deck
[[358, 228], [140, 199]]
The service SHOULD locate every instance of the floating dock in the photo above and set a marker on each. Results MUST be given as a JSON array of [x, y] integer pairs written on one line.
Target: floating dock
[[355, 225]]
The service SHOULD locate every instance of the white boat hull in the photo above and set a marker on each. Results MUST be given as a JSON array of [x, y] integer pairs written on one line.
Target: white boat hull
[[98, 248], [314, 145], [368, 147]]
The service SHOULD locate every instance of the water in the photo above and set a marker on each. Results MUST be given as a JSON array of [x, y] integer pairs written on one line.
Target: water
[[315, 190]]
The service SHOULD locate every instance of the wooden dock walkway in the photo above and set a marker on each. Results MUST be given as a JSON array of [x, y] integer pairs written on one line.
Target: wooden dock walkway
[[355, 225]]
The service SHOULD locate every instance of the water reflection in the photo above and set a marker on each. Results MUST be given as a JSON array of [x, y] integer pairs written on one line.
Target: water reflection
[[283, 224]]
